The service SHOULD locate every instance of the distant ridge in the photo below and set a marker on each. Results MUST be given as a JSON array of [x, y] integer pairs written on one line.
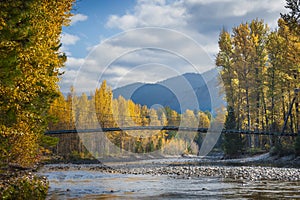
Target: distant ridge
[[188, 91]]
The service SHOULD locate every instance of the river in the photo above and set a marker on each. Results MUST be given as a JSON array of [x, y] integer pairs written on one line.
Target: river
[[82, 183]]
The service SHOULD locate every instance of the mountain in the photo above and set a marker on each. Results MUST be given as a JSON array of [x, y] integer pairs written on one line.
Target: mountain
[[188, 91]]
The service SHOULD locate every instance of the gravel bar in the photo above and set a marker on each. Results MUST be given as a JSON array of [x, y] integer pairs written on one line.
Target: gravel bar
[[250, 173]]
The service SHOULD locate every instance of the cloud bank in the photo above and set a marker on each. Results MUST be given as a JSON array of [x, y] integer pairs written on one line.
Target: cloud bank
[[199, 20]]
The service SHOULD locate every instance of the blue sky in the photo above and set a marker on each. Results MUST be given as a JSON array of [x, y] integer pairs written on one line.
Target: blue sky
[[110, 39], [92, 16]]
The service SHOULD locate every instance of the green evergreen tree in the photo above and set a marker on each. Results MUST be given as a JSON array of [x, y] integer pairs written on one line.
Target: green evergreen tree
[[232, 143]]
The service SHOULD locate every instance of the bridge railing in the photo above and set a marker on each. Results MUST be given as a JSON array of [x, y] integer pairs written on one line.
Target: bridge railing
[[168, 128]]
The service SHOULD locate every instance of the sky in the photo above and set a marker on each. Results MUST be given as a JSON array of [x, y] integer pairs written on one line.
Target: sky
[[127, 41]]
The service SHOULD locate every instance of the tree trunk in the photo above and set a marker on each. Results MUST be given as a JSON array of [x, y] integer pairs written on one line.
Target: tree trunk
[[248, 115]]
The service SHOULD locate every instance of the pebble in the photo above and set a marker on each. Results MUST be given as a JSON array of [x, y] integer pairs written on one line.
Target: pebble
[[251, 173], [238, 173]]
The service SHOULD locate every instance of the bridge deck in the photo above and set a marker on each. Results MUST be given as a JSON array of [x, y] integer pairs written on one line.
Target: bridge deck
[[169, 128]]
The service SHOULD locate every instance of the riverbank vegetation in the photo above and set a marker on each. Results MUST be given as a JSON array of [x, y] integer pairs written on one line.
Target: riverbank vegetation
[[23, 185], [260, 71], [30, 61]]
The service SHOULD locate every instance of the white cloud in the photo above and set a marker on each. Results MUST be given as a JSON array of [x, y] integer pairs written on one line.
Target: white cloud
[[233, 8], [74, 63], [143, 73], [201, 19], [124, 22], [70, 77], [205, 2], [68, 39], [143, 55], [123, 60], [178, 14], [78, 18], [151, 13], [243, 7]]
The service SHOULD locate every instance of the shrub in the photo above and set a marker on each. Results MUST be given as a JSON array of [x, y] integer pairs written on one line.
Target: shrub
[[297, 146], [24, 187], [281, 150]]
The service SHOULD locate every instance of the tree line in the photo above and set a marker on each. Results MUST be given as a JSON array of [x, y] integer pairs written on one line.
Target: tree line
[[100, 109], [260, 71]]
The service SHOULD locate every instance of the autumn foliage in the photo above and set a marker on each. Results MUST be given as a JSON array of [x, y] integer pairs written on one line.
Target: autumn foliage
[[99, 109], [30, 61], [260, 71]]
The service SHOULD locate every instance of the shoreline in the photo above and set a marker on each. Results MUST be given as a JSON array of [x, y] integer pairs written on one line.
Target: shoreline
[[250, 169], [257, 160]]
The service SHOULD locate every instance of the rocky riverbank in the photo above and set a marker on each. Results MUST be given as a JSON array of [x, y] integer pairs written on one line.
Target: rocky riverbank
[[194, 167], [251, 173], [266, 160], [236, 173]]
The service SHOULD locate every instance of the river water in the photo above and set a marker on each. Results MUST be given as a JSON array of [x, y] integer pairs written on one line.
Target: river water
[[89, 184]]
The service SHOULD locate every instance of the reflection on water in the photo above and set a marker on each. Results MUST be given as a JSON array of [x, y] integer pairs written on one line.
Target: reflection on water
[[84, 184]]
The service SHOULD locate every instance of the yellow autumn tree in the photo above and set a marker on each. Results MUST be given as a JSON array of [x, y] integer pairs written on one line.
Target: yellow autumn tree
[[103, 105], [60, 114], [29, 60]]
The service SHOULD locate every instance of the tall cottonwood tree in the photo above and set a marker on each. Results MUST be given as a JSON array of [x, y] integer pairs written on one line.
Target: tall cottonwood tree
[[30, 60], [243, 58], [276, 81], [228, 73], [283, 70], [289, 30], [260, 70]]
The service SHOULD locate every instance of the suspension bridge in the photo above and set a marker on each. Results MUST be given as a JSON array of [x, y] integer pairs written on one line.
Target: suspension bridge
[[96, 126], [166, 128], [173, 126]]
